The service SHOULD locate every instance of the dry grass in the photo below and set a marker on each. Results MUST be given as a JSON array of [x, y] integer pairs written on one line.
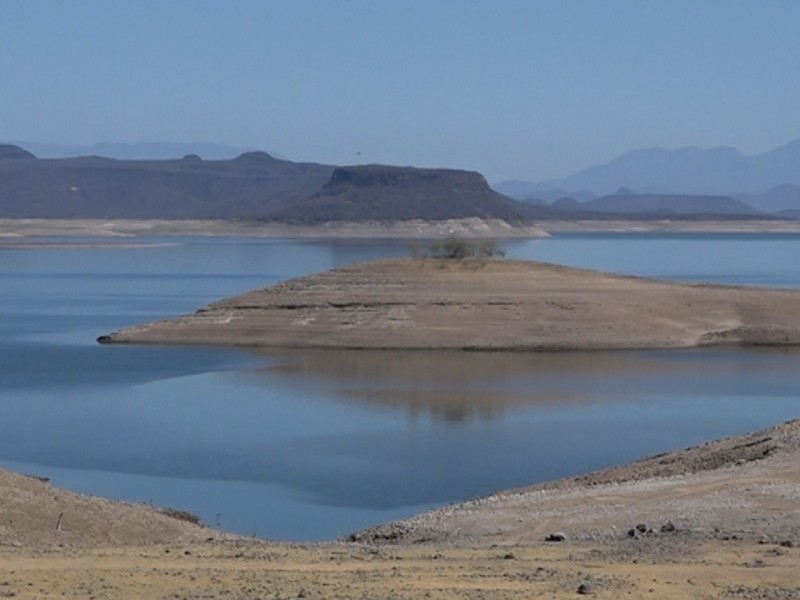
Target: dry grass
[[252, 570]]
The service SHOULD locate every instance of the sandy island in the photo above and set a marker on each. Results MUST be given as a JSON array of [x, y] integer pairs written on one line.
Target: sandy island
[[483, 304]]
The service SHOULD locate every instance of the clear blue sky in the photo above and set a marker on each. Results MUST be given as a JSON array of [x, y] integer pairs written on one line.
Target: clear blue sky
[[515, 89]]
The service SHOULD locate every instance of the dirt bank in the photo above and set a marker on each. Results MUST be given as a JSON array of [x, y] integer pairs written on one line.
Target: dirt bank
[[720, 520], [745, 487], [35, 515], [483, 305]]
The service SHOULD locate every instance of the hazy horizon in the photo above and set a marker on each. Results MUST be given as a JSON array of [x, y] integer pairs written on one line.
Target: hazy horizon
[[515, 90]]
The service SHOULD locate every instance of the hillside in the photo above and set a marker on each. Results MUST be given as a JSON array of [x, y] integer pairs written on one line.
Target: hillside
[[249, 186], [386, 193], [482, 305], [662, 205], [768, 181]]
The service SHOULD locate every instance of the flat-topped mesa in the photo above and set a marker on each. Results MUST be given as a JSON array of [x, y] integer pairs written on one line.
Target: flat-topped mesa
[[390, 176], [386, 193], [483, 304]]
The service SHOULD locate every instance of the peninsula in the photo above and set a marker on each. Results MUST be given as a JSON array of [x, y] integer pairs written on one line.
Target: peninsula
[[482, 304]]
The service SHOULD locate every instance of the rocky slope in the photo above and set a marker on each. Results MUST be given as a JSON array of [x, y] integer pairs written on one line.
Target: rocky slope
[[741, 487], [38, 515]]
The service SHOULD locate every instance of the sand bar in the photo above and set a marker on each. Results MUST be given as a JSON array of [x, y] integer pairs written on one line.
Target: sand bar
[[483, 304]]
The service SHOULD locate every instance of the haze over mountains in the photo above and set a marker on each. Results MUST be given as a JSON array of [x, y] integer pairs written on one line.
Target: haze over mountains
[[254, 185], [644, 184], [140, 151], [768, 182]]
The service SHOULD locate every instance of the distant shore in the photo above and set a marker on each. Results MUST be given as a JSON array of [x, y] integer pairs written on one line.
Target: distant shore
[[754, 226], [19, 232]]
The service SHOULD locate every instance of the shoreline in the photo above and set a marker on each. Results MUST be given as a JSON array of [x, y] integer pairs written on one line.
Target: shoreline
[[719, 520], [481, 304], [18, 232]]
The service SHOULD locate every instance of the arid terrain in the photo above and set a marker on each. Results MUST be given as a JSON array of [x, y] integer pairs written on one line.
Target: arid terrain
[[720, 520], [15, 232], [27, 232], [483, 304]]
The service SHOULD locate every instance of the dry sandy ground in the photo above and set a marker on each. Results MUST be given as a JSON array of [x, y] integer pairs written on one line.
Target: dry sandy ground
[[734, 504], [670, 226], [746, 487], [18, 232], [15, 231], [733, 569], [483, 304]]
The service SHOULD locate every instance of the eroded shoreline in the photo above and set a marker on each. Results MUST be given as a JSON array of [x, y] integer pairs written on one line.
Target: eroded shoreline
[[482, 304], [16, 232]]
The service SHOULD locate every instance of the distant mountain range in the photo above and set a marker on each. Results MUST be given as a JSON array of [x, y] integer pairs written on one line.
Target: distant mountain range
[[254, 185], [257, 185], [768, 182], [143, 151], [250, 186]]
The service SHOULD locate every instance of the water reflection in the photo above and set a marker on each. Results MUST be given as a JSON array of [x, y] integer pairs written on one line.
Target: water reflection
[[457, 387]]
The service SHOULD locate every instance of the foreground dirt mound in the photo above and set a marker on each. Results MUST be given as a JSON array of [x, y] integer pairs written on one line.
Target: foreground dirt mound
[[37, 515], [483, 304], [745, 487]]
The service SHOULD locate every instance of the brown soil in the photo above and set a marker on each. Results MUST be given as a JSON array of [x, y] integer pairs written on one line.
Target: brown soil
[[36, 515], [484, 304]]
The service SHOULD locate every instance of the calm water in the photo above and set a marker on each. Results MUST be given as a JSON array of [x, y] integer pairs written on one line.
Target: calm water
[[313, 445]]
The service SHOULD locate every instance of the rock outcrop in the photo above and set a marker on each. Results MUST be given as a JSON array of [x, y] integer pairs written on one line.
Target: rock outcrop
[[386, 193]]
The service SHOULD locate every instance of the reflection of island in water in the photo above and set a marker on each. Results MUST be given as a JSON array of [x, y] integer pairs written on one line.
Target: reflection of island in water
[[463, 386]]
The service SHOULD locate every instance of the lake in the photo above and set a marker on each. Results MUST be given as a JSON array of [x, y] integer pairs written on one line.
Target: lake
[[310, 445]]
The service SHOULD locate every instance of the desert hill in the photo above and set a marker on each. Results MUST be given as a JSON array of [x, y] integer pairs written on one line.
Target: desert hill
[[11, 152], [249, 186], [660, 205], [483, 304], [378, 192], [38, 515], [767, 181]]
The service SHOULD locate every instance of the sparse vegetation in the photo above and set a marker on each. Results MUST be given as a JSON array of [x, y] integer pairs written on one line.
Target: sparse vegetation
[[457, 248]]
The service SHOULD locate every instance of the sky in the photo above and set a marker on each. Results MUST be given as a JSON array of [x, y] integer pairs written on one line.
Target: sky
[[523, 89]]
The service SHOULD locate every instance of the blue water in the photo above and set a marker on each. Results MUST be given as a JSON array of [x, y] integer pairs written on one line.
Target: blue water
[[312, 445]]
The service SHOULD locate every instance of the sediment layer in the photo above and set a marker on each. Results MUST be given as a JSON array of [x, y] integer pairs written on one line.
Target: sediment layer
[[483, 304]]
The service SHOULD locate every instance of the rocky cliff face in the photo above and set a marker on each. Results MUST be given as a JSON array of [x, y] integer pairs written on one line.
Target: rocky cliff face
[[386, 193], [382, 176]]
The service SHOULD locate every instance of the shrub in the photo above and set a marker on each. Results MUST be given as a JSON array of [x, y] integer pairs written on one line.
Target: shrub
[[454, 247]]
